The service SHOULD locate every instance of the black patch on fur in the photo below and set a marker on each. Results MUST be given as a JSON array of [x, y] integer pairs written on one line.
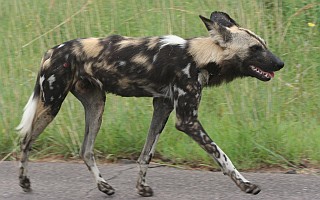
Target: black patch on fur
[[213, 69], [37, 88], [225, 157], [227, 71], [170, 59], [55, 93]]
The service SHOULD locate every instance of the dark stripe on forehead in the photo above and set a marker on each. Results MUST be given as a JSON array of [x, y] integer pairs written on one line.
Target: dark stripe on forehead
[[256, 37]]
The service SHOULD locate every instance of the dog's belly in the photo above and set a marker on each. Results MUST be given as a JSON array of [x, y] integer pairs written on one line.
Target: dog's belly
[[127, 86], [138, 88]]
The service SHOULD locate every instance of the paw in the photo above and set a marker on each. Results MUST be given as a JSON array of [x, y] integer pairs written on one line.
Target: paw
[[145, 191], [25, 183], [105, 188], [250, 188]]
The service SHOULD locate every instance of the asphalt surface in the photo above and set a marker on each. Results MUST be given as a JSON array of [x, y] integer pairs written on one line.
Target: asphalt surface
[[73, 181]]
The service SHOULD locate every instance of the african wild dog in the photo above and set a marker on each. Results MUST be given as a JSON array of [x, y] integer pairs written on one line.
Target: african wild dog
[[170, 69]]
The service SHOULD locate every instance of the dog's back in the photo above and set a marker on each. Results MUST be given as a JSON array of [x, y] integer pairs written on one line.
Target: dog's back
[[121, 65]]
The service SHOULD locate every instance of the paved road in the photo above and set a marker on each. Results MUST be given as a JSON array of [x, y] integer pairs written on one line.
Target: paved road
[[73, 181]]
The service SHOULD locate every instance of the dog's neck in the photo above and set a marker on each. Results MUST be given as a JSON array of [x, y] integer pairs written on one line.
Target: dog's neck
[[205, 51]]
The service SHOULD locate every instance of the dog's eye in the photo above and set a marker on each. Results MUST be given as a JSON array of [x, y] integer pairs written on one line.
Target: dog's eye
[[256, 48]]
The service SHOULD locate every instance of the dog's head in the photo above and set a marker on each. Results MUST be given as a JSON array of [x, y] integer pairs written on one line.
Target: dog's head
[[242, 49]]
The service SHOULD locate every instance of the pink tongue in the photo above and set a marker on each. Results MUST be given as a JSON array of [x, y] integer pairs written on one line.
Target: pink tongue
[[272, 74]]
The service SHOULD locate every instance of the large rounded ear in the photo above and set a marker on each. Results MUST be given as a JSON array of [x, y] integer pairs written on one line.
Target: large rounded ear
[[223, 19], [219, 33]]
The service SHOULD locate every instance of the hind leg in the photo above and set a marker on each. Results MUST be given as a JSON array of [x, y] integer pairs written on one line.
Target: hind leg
[[51, 88], [162, 109], [43, 117], [93, 101], [54, 81]]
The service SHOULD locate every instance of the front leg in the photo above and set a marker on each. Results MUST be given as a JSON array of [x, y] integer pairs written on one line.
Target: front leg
[[162, 109], [186, 101]]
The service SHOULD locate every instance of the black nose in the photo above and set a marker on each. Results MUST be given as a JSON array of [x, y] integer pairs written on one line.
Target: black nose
[[280, 64]]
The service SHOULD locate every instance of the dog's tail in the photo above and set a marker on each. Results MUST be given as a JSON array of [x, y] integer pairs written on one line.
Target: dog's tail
[[29, 113]]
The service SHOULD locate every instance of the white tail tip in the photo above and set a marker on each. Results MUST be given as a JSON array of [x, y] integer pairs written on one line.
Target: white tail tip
[[25, 125]]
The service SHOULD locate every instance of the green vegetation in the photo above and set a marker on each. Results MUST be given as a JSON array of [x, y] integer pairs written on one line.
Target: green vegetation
[[257, 124]]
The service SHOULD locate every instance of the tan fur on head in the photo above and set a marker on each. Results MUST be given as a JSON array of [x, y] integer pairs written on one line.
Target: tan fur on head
[[227, 40], [242, 40]]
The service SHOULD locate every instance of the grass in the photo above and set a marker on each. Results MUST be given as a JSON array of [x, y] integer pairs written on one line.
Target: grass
[[257, 124]]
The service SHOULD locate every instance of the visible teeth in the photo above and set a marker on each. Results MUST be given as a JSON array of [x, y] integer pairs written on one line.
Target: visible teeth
[[256, 69], [265, 74]]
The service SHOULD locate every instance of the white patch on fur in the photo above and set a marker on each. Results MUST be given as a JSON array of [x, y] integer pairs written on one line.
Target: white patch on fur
[[173, 40], [51, 80], [154, 58], [186, 70], [96, 172], [122, 63], [180, 91], [61, 45], [25, 125], [195, 112], [41, 81], [41, 87], [227, 165]]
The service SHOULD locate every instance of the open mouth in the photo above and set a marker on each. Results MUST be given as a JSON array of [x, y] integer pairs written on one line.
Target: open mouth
[[260, 74]]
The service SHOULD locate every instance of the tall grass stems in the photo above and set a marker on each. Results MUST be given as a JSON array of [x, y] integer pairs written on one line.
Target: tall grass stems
[[257, 124]]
